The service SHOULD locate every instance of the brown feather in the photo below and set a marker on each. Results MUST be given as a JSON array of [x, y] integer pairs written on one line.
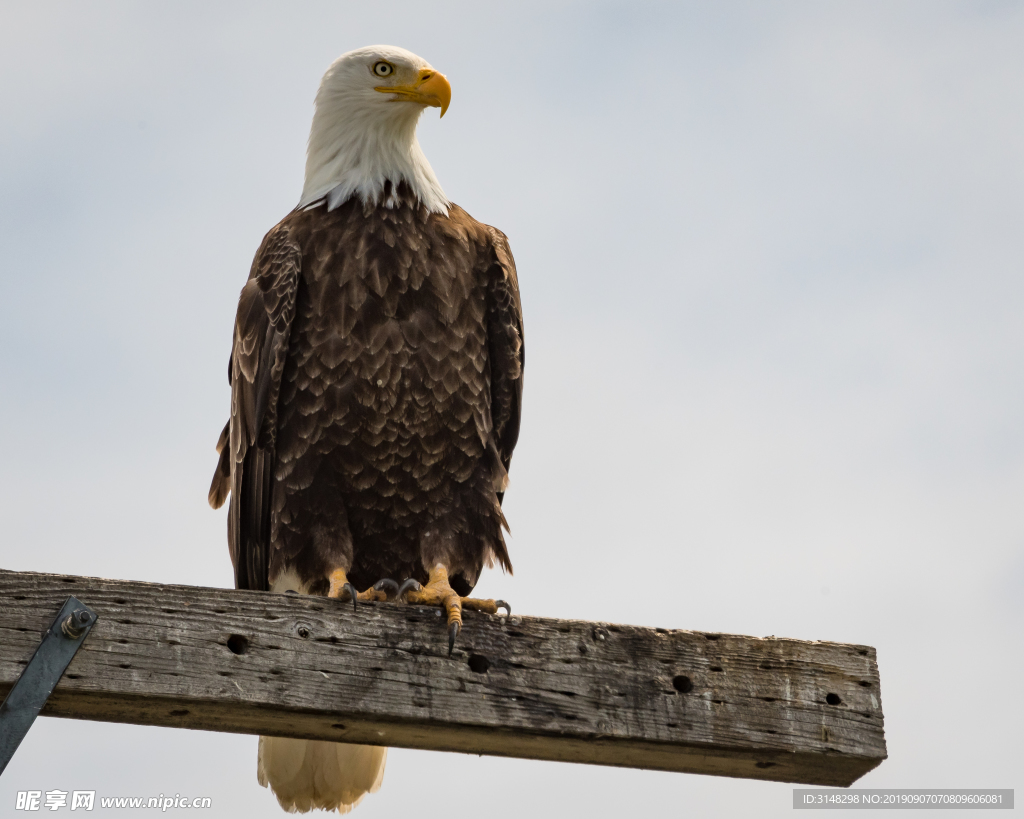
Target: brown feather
[[376, 395], [221, 484]]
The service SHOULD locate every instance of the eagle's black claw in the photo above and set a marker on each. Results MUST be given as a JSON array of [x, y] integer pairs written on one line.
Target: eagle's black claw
[[501, 604], [453, 632], [388, 586], [407, 585], [352, 593]]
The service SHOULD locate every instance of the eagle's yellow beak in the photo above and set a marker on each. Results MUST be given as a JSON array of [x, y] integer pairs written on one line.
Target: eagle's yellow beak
[[431, 88]]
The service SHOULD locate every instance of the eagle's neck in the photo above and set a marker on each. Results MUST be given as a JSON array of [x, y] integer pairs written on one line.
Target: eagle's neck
[[356, 150]]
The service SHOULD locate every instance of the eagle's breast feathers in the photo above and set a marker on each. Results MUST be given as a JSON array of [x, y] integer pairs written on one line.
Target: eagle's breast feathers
[[376, 378]]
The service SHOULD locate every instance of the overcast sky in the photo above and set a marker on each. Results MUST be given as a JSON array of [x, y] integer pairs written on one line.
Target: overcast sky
[[772, 267]]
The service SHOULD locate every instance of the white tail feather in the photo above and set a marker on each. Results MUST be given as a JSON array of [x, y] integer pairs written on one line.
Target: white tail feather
[[305, 774]]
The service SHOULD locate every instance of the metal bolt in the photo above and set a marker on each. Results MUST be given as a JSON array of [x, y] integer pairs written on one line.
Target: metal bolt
[[74, 624]]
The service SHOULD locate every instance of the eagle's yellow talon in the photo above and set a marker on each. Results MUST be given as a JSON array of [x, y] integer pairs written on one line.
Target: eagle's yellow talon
[[453, 632], [388, 587], [438, 592], [408, 585], [340, 587]]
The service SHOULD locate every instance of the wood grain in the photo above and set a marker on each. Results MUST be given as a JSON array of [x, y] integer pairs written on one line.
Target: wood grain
[[599, 693]]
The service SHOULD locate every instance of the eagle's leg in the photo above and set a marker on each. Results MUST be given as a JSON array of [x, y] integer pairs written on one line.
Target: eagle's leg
[[341, 589], [438, 592]]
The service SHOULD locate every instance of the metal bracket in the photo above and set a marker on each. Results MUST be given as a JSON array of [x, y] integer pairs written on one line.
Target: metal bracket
[[33, 688]]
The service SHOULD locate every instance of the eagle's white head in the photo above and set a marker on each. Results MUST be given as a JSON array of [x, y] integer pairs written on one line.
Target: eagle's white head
[[364, 128]]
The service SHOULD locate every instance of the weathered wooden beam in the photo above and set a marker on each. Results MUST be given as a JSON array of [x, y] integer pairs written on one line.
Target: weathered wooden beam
[[286, 665]]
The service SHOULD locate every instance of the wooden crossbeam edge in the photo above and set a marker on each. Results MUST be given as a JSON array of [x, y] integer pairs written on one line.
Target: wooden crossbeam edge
[[530, 687]]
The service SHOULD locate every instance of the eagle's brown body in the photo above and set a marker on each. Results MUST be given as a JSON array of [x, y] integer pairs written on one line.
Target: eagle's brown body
[[376, 378]]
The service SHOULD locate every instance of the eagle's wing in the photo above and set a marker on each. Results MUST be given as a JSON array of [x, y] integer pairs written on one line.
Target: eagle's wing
[[263, 325], [507, 349]]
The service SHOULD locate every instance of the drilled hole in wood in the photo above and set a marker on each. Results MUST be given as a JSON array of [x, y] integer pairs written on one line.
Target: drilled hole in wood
[[339, 726], [716, 668], [238, 644], [832, 699], [865, 684], [712, 636], [303, 632], [479, 663], [682, 684], [179, 712]]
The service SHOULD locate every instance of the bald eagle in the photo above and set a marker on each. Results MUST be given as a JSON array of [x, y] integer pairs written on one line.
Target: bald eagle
[[376, 380]]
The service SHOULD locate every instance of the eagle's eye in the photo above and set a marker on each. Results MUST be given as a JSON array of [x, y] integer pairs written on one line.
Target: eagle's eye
[[383, 69]]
